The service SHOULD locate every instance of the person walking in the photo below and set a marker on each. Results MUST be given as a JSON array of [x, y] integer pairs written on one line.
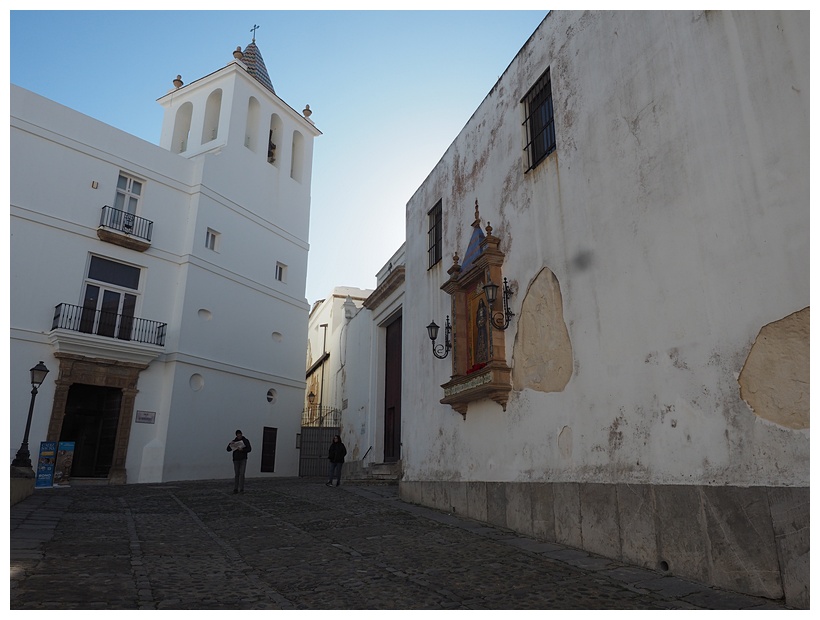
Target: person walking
[[336, 456], [240, 447]]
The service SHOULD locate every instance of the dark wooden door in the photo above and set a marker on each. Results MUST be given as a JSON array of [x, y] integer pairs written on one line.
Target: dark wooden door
[[92, 415], [268, 449], [392, 393]]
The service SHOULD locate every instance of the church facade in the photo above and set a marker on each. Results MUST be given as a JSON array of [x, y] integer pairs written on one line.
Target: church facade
[[163, 286]]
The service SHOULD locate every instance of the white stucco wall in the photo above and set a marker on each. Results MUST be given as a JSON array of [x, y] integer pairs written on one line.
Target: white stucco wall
[[675, 216], [230, 321]]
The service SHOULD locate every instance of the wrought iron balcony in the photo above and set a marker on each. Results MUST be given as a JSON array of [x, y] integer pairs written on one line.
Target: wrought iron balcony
[[314, 415], [108, 324], [125, 229]]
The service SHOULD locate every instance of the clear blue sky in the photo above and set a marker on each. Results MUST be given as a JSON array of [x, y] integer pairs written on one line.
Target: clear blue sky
[[390, 91]]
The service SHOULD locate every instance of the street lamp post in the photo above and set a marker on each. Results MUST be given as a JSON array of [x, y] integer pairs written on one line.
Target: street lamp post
[[322, 384], [38, 375]]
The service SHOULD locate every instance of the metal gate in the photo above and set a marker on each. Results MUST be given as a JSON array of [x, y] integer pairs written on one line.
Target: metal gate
[[319, 425]]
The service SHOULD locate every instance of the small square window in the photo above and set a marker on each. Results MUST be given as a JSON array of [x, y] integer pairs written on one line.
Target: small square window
[[434, 235], [212, 240], [281, 272]]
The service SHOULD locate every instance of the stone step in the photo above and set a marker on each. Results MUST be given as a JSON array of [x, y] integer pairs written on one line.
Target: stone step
[[375, 472]]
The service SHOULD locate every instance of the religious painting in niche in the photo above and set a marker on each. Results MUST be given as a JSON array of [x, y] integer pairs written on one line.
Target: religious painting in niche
[[479, 352]]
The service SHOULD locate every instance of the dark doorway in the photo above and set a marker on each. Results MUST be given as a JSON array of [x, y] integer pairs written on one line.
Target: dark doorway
[[268, 449], [392, 393], [91, 417]]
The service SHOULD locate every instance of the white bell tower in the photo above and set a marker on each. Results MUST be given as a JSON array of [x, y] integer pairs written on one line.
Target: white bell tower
[[265, 147]]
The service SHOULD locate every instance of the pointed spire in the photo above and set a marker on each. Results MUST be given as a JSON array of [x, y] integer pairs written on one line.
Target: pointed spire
[[474, 246], [252, 58]]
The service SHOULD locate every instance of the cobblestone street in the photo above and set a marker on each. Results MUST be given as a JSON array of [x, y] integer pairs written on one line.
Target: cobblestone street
[[297, 544]]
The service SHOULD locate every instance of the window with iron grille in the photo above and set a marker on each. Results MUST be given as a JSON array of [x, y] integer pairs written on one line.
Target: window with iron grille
[[434, 235], [539, 122]]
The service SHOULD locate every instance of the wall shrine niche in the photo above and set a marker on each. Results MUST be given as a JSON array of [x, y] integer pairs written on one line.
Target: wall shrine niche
[[479, 366]]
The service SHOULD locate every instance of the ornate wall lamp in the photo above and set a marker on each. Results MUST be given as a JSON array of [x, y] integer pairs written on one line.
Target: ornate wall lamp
[[500, 319], [440, 350]]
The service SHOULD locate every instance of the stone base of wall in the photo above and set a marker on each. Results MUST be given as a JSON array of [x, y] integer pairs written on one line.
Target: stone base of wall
[[753, 540], [22, 483]]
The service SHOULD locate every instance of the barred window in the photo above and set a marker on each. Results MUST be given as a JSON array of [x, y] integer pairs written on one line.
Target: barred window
[[434, 235], [539, 122]]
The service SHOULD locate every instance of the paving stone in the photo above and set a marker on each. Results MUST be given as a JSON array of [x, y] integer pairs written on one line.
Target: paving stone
[[296, 544]]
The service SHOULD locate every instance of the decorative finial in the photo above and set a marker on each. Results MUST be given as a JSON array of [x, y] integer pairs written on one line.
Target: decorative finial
[[178, 81], [237, 53], [307, 112], [489, 229], [477, 221], [455, 258], [253, 30], [476, 208]]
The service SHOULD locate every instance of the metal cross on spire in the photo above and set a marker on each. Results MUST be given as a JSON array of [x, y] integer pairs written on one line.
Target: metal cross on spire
[[253, 30]]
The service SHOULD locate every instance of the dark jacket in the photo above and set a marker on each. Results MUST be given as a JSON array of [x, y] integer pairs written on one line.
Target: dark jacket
[[337, 452], [240, 455]]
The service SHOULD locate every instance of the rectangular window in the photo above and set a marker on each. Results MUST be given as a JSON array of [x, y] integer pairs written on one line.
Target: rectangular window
[[281, 272], [110, 298], [129, 192], [434, 235], [539, 123], [126, 203], [211, 239], [105, 270]]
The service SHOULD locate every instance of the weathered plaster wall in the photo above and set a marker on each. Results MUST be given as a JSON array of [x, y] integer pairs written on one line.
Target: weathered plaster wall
[[675, 236], [674, 216]]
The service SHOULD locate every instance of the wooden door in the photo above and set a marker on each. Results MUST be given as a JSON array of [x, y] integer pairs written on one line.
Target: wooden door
[[392, 393]]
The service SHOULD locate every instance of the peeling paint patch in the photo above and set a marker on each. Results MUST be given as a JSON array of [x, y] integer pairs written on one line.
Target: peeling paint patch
[[774, 381], [565, 442], [542, 352]]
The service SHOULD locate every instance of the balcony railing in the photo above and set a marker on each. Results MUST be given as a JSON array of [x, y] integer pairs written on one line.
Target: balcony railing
[[108, 324], [321, 416], [126, 223]]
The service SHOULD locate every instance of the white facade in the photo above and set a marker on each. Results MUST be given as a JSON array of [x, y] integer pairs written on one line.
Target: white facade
[[224, 270], [328, 343], [351, 379], [659, 264]]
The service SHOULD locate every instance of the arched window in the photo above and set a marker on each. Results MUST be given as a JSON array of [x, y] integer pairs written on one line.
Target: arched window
[[297, 157], [182, 127], [252, 125], [212, 109], [274, 139]]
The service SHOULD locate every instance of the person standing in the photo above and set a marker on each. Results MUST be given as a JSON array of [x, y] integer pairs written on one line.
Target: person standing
[[240, 447], [336, 456]]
